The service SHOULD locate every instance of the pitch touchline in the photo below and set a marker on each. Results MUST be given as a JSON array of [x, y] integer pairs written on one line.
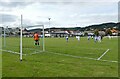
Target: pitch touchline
[[103, 54]]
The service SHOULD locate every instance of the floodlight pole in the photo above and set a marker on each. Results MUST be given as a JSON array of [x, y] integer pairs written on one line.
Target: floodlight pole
[[49, 24], [21, 40]]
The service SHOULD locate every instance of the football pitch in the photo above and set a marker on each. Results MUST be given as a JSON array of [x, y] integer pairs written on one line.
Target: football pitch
[[61, 59]]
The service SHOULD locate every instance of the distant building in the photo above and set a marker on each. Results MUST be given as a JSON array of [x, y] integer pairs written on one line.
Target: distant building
[[76, 33], [114, 32], [59, 34], [102, 33]]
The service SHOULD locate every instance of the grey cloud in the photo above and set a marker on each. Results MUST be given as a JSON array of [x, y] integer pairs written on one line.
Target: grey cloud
[[41, 22], [7, 18], [14, 4], [31, 23]]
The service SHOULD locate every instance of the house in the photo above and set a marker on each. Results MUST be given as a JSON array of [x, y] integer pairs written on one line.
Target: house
[[114, 32], [102, 33], [59, 34]]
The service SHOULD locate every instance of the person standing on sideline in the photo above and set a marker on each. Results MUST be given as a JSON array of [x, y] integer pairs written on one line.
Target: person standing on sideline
[[88, 37], [36, 38], [95, 38], [67, 38], [78, 37], [99, 38]]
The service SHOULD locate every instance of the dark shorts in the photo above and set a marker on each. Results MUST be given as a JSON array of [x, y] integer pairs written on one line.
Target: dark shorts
[[36, 40]]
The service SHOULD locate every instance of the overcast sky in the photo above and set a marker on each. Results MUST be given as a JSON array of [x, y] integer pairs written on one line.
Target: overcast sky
[[72, 13]]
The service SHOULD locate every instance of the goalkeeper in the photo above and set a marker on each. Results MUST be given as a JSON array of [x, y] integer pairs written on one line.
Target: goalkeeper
[[36, 38]]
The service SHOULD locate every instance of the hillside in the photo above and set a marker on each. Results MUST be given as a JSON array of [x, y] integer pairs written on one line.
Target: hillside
[[102, 26]]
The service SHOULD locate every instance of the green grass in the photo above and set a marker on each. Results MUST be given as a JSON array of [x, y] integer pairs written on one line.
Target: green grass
[[50, 64]]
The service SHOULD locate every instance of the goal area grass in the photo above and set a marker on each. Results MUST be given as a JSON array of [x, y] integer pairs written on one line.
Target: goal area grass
[[60, 58]]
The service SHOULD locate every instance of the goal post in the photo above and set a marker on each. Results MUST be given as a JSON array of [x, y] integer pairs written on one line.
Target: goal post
[[21, 39], [15, 41], [21, 36], [43, 35]]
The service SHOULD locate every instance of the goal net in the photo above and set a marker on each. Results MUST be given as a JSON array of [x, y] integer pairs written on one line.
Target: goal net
[[10, 39], [20, 39]]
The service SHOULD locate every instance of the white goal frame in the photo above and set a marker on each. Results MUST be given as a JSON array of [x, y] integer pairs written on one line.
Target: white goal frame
[[21, 35], [21, 28]]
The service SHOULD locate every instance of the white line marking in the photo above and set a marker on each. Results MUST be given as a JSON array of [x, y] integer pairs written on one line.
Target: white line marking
[[93, 48], [103, 54], [64, 55], [110, 61], [84, 57], [11, 51], [35, 52], [71, 55], [81, 57], [19, 53]]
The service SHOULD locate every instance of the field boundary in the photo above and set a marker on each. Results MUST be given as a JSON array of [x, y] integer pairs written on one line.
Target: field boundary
[[68, 55]]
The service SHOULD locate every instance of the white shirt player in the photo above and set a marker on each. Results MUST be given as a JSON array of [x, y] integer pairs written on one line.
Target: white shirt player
[[78, 37], [99, 38], [67, 38]]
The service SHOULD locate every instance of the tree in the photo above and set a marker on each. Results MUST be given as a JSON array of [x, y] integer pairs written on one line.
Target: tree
[[96, 32], [85, 34], [108, 31]]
